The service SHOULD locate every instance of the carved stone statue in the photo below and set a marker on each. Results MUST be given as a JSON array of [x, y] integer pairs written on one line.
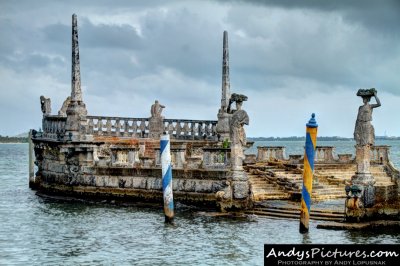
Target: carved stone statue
[[156, 109], [156, 125], [363, 181], [238, 189], [237, 132], [45, 105], [364, 133], [63, 110]]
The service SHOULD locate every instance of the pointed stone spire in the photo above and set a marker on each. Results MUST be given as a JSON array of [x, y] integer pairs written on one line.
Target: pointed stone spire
[[223, 115], [76, 91], [76, 123], [76, 105], [226, 93]]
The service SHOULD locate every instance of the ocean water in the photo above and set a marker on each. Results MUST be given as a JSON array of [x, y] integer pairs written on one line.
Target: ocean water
[[39, 231]]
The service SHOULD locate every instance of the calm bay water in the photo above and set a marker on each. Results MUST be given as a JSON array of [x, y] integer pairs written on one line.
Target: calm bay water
[[37, 231]]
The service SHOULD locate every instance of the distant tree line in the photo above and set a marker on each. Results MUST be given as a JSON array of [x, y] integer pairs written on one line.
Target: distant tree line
[[7, 139], [334, 138]]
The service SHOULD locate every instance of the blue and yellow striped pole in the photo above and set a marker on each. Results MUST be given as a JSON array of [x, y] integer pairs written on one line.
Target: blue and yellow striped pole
[[309, 154], [167, 178]]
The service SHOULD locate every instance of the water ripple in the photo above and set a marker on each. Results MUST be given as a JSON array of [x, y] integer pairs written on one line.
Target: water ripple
[[37, 231]]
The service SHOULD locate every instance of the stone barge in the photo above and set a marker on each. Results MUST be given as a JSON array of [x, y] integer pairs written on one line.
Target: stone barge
[[86, 156]]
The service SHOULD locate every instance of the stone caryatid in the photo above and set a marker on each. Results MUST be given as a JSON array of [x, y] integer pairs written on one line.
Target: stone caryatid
[[45, 104], [236, 194], [240, 182], [361, 194], [364, 133], [156, 121], [237, 133]]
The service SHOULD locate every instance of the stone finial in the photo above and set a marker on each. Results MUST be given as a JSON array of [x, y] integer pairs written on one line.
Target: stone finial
[[76, 92], [225, 74]]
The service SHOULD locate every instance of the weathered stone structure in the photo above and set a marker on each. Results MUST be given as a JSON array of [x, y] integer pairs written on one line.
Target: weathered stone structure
[[96, 156], [87, 156]]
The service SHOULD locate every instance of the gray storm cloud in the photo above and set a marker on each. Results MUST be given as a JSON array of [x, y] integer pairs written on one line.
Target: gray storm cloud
[[290, 57]]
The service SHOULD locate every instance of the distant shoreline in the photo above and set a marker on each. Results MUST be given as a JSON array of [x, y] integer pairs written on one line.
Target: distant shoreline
[[19, 140], [13, 143], [318, 138]]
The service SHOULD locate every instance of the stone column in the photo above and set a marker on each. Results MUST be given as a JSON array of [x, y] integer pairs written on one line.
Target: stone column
[[223, 114], [76, 112]]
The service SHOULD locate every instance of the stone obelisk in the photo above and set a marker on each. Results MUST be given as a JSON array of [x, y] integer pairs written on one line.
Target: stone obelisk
[[226, 86], [76, 111], [223, 114]]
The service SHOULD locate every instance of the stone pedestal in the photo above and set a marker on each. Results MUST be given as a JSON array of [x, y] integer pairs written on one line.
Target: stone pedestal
[[223, 128], [361, 193], [237, 158], [156, 127], [363, 159], [76, 123], [240, 184]]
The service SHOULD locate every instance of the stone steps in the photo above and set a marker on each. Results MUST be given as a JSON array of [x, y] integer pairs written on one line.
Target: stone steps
[[262, 189], [291, 213], [277, 181]]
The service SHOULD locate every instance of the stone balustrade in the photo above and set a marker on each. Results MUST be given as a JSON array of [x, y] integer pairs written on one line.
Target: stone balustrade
[[216, 158], [324, 154], [53, 127], [190, 129], [380, 154], [265, 153], [117, 126]]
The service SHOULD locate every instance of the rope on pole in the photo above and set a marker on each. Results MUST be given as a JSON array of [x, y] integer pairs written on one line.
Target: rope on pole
[[309, 154], [167, 177]]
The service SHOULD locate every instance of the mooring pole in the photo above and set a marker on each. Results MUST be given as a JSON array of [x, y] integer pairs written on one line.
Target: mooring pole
[[167, 178], [309, 154]]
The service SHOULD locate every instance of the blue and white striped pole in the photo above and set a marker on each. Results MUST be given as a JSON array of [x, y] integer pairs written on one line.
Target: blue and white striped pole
[[167, 177]]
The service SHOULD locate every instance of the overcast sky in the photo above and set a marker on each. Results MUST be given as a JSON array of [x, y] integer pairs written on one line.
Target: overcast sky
[[291, 58]]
